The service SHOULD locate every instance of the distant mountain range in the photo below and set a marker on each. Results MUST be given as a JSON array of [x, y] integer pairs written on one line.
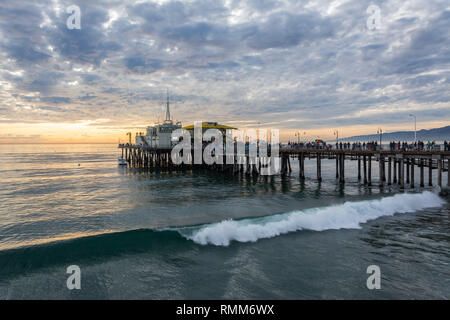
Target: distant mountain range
[[436, 134]]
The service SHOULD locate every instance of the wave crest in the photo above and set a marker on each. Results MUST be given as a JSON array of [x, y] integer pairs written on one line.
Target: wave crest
[[343, 216]]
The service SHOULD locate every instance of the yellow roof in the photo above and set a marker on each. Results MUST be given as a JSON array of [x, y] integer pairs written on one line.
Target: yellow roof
[[209, 125]]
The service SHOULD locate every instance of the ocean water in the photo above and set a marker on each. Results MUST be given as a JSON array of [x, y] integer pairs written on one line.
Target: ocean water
[[185, 235]]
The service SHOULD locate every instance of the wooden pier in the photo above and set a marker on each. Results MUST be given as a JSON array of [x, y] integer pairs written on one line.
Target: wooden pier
[[392, 165], [395, 167]]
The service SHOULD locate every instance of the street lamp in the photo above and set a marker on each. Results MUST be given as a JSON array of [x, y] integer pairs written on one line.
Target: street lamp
[[298, 137], [415, 130], [336, 133], [380, 132]]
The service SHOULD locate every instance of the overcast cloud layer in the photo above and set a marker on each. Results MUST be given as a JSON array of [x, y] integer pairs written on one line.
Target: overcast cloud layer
[[286, 64]]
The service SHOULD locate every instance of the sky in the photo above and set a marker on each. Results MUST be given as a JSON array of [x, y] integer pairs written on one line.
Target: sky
[[313, 67]]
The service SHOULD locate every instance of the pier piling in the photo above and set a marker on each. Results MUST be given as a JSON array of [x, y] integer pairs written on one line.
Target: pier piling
[[430, 172], [342, 168], [439, 168], [395, 170], [302, 169], [359, 168], [448, 173], [337, 165], [389, 170], [381, 171], [407, 170], [365, 169], [422, 182], [319, 168]]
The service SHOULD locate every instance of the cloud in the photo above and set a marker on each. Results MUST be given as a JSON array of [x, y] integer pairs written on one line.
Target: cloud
[[56, 100], [87, 97], [20, 137], [47, 108], [142, 64], [24, 52], [291, 63], [36, 81], [284, 30], [90, 44], [427, 49]]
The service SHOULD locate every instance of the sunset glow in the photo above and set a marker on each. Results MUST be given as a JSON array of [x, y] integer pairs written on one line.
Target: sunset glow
[[250, 64]]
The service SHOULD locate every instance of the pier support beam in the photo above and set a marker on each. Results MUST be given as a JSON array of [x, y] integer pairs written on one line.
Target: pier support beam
[[408, 162], [369, 180], [395, 170], [283, 165], [319, 169], [255, 171], [381, 177], [337, 165], [430, 172], [300, 165], [448, 172], [422, 182], [359, 168], [389, 171], [365, 169], [260, 160], [439, 166], [412, 172], [342, 168], [402, 174], [302, 168]]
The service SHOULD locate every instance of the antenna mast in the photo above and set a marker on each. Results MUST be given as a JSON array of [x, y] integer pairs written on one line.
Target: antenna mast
[[167, 107]]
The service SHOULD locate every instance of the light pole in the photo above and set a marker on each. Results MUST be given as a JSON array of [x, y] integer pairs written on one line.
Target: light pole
[[415, 130], [336, 133], [298, 137], [258, 132], [381, 133]]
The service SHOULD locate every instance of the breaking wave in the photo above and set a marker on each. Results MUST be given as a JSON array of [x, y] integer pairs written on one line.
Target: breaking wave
[[343, 216]]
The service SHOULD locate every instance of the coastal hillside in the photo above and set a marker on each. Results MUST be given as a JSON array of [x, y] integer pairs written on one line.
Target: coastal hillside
[[436, 134]]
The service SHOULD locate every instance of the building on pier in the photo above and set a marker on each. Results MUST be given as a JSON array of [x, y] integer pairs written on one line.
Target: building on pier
[[160, 135], [210, 125]]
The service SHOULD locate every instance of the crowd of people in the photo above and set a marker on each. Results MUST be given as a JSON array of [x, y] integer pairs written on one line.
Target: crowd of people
[[317, 144], [372, 145], [419, 145]]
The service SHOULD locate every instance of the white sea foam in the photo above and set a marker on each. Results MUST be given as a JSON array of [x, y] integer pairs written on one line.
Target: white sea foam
[[343, 216]]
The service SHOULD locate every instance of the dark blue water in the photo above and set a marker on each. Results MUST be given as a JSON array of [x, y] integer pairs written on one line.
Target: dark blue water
[[142, 235]]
